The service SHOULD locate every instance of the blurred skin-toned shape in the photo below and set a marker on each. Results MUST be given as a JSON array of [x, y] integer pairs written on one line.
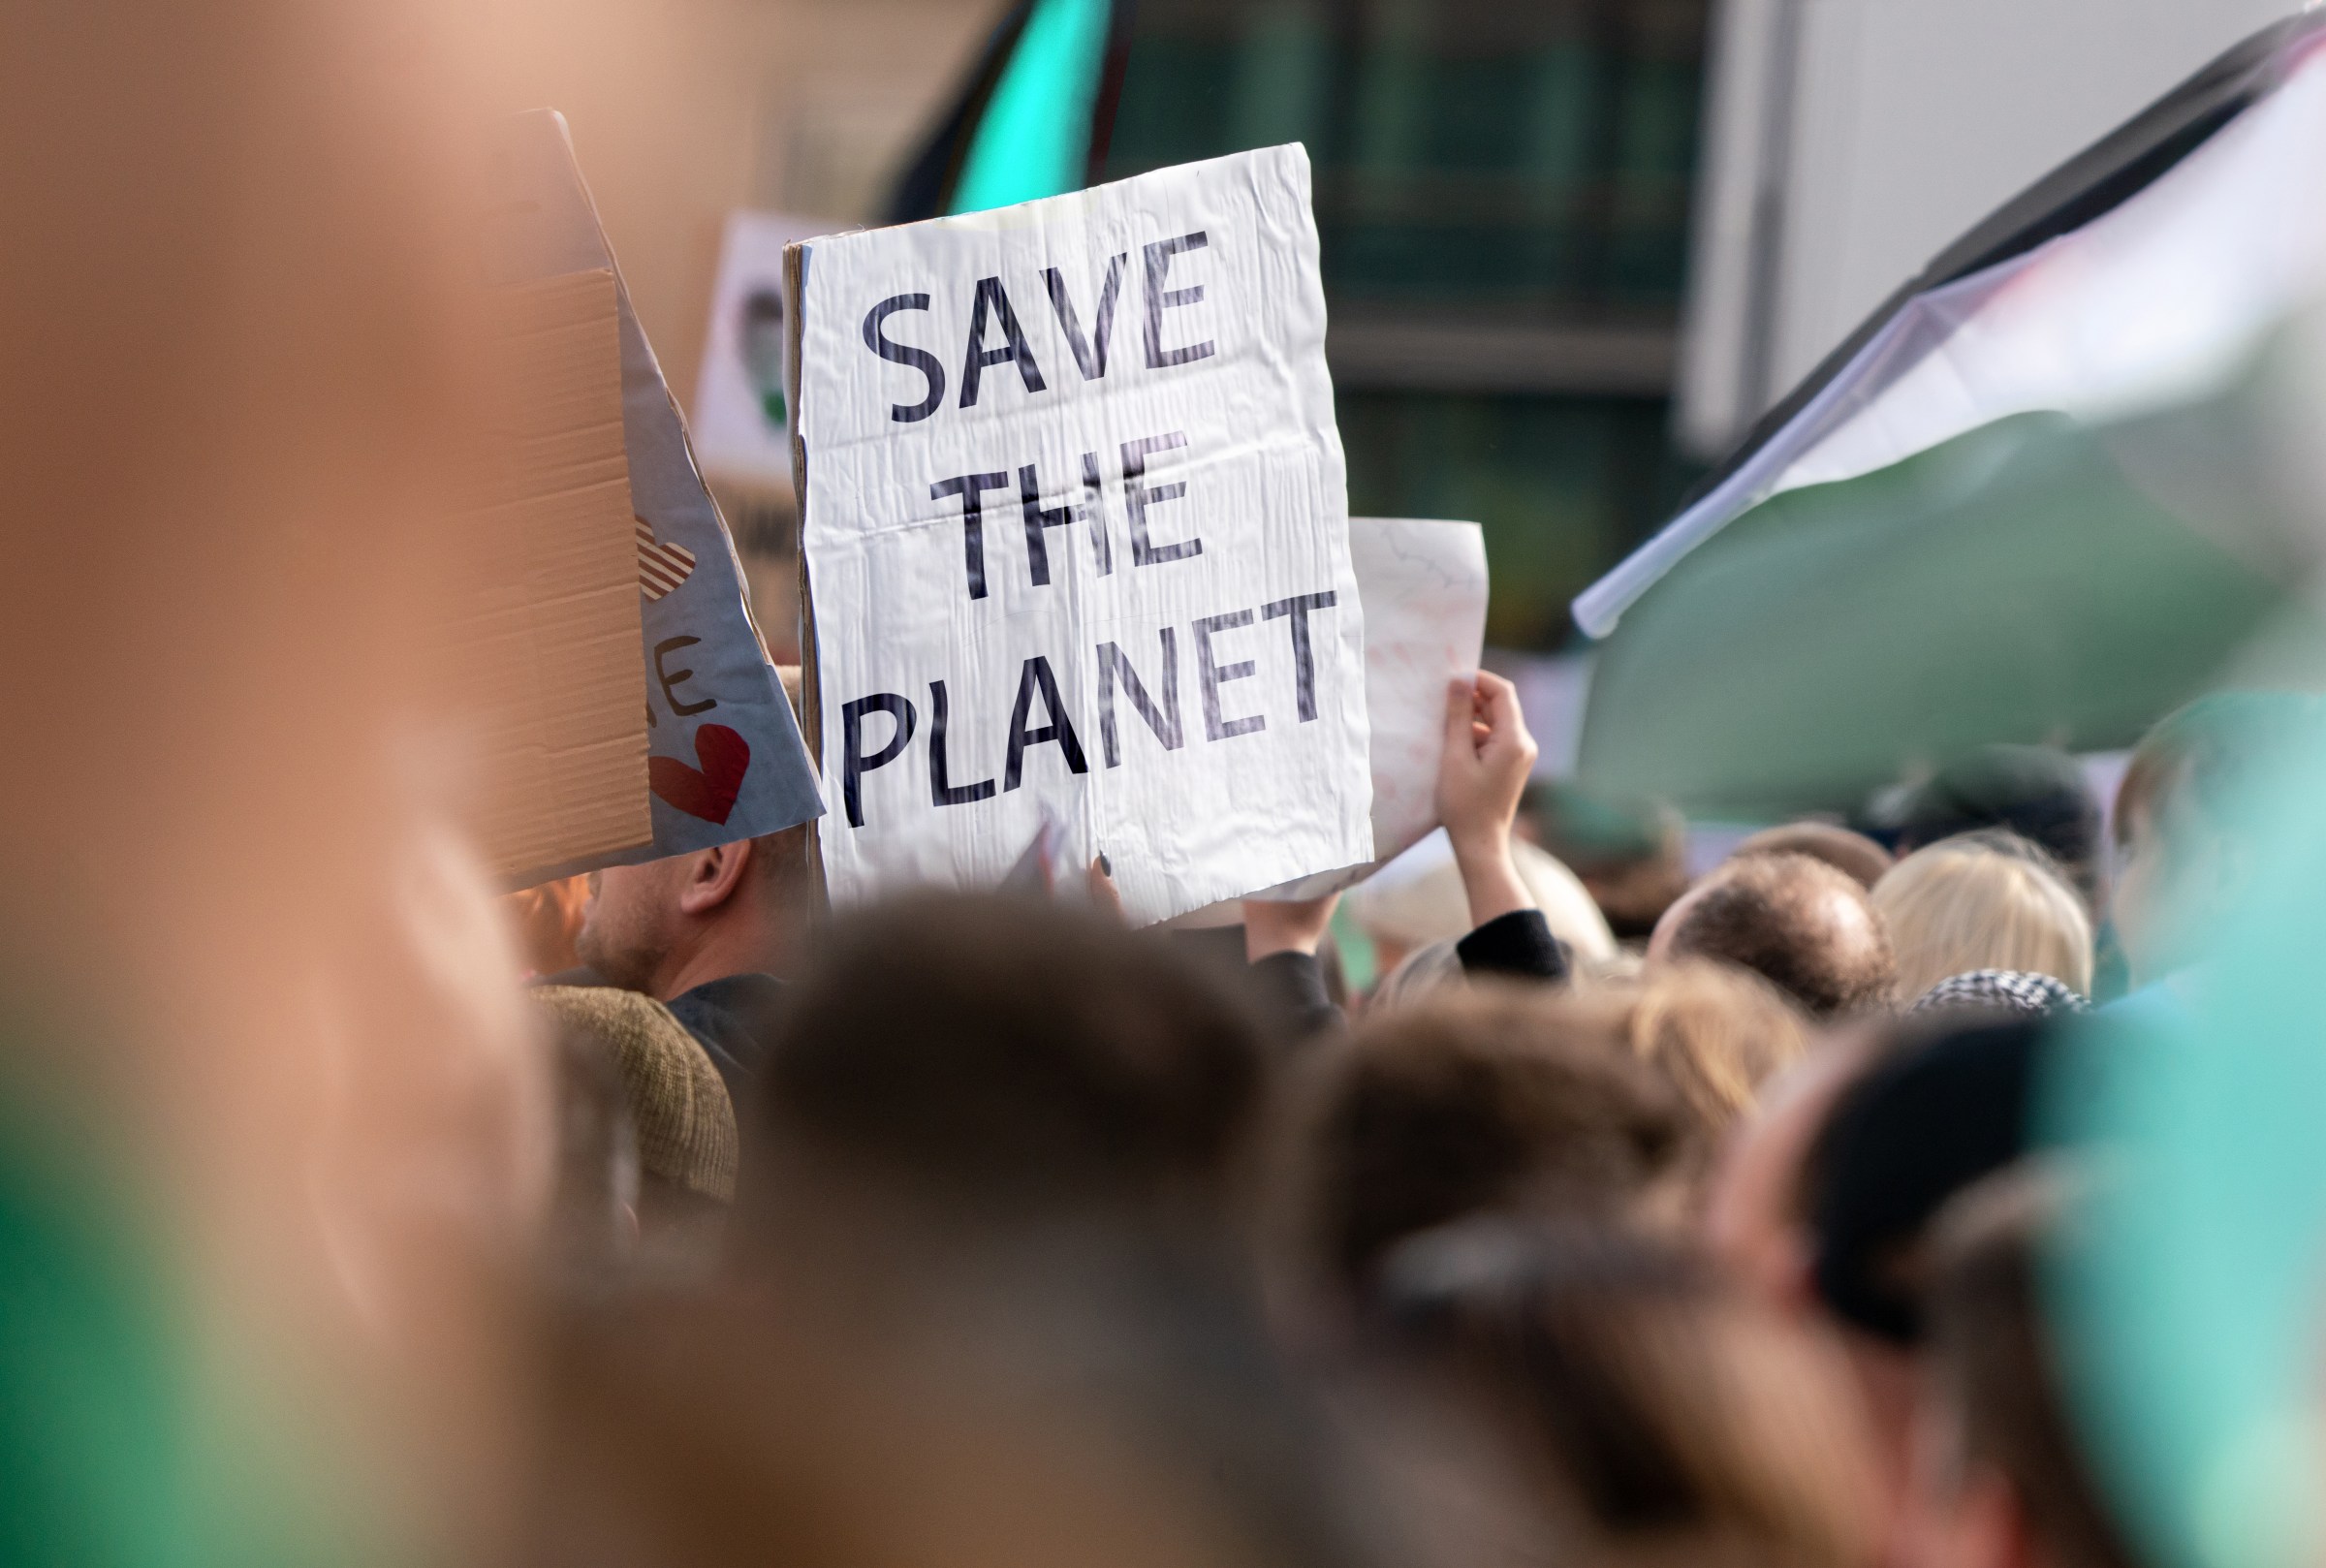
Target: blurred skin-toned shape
[[241, 345], [1755, 1227], [544, 920]]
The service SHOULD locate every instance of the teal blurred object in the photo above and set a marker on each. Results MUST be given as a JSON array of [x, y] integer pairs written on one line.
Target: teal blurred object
[[1035, 138], [96, 1466], [1034, 117], [2189, 1296]]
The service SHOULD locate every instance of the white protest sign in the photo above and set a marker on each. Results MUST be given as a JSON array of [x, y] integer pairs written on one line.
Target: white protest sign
[[740, 427], [1076, 532], [1424, 585]]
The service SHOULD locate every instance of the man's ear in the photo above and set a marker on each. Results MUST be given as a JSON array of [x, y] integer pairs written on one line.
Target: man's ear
[[713, 876]]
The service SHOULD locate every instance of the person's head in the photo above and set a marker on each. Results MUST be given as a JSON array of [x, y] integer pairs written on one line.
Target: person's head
[[1853, 854], [1717, 1032], [2184, 818], [1006, 1060], [1669, 1407], [1756, 1220], [675, 1148], [1630, 853], [666, 926], [2037, 791], [1404, 912], [1984, 900], [1945, 1106], [1484, 1100], [1998, 1472], [1796, 922]]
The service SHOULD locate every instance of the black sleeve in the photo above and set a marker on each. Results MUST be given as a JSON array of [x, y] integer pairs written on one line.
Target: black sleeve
[[1519, 944], [1294, 984]]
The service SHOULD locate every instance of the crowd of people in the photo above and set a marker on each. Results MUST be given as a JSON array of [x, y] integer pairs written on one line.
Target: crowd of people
[[981, 1223], [1564, 1202]]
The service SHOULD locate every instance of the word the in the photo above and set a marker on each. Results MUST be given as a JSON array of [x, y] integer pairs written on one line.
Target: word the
[[1137, 496]]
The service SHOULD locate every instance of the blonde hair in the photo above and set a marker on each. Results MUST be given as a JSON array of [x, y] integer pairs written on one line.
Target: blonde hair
[[1983, 901], [1717, 1032]]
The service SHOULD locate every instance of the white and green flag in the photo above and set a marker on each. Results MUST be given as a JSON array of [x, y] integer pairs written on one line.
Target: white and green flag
[[2023, 507]]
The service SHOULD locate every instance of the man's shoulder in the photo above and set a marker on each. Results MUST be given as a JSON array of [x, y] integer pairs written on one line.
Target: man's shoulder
[[744, 992], [735, 1017]]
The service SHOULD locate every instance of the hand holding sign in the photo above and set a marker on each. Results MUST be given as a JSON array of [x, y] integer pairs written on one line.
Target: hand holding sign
[[1488, 759]]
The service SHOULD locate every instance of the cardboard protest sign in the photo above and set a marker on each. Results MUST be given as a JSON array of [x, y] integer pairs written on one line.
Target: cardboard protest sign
[[1075, 535], [541, 631], [1423, 585], [742, 424], [726, 760]]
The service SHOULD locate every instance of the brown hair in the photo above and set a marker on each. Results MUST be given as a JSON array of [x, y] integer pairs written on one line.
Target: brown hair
[[1853, 855], [1485, 1099], [1674, 1409], [1717, 1032], [1014, 1055], [1805, 928]]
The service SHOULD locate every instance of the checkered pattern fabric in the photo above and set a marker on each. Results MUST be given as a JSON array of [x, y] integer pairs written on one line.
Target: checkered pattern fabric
[[2009, 990]]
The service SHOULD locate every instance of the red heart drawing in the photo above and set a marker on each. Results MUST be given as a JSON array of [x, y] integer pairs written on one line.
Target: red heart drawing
[[709, 793]]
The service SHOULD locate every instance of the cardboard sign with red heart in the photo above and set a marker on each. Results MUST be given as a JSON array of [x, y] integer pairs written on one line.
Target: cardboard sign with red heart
[[725, 760]]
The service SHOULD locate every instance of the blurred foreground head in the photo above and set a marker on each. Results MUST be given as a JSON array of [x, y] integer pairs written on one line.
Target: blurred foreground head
[[2190, 815], [1717, 1033], [1803, 927], [243, 934], [647, 1138], [1005, 1061], [1677, 1418], [987, 1309], [1946, 1106], [1486, 1101], [2005, 1482]]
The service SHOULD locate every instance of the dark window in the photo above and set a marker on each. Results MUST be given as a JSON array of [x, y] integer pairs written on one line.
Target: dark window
[[1478, 164]]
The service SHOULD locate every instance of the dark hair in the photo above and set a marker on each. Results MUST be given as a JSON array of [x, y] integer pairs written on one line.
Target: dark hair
[[1852, 854], [1672, 1406], [1946, 1109], [1775, 915], [1014, 1055], [2036, 791], [1478, 1100], [1991, 1365]]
